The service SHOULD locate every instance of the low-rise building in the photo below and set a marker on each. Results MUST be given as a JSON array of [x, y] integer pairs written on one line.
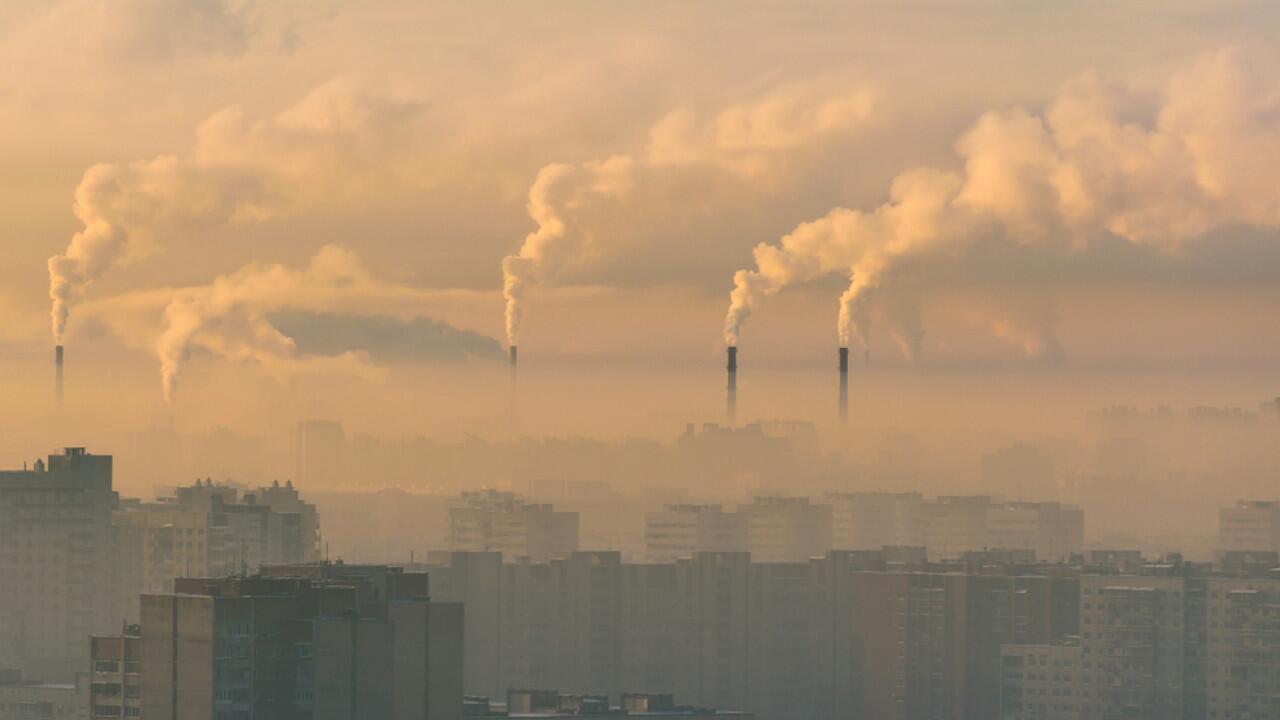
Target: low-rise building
[[33, 700]]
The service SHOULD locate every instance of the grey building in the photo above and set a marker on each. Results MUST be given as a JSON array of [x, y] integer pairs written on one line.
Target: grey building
[[304, 642], [55, 562]]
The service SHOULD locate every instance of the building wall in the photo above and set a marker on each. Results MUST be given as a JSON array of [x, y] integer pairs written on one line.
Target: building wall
[[1244, 644], [1040, 682], [1133, 646], [56, 563], [37, 701], [427, 652]]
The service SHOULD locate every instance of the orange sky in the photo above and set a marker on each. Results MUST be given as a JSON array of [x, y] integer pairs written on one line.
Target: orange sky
[[273, 196]]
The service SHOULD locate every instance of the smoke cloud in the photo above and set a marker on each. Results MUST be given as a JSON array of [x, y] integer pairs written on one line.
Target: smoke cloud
[[325, 147], [557, 191], [1207, 158], [758, 143], [236, 317]]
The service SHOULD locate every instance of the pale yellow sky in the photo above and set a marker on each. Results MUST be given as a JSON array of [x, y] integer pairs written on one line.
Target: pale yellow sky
[[209, 151]]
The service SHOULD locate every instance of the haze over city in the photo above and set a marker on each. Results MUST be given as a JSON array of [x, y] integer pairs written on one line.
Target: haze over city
[[398, 271]]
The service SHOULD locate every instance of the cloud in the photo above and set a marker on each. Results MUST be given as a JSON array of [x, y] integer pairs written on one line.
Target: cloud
[[1075, 177], [338, 143], [592, 209], [236, 317], [384, 338], [147, 32]]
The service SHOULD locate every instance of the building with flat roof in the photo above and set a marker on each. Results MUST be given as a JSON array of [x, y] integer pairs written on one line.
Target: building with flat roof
[[302, 642], [22, 699], [506, 523], [680, 530], [1053, 530], [786, 529], [873, 520], [115, 675], [1249, 525], [56, 562]]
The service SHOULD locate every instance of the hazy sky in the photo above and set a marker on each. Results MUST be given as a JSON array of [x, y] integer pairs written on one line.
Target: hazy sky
[[323, 191]]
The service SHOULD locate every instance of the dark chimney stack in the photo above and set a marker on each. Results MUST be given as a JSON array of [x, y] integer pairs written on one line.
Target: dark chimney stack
[[513, 355], [731, 401], [57, 374], [844, 384]]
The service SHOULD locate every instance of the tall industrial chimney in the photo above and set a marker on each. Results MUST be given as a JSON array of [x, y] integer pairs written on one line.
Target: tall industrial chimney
[[57, 374], [844, 384], [513, 356], [731, 400]]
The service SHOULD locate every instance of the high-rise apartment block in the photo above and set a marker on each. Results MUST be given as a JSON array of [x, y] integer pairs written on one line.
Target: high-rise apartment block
[[55, 562], [682, 530], [207, 530], [506, 523], [1054, 531], [1041, 682], [1251, 525], [787, 529], [781, 639], [316, 642], [872, 520]]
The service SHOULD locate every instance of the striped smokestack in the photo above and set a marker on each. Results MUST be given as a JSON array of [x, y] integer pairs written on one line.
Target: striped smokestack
[[844, 384], [731, 399], [57, 374]]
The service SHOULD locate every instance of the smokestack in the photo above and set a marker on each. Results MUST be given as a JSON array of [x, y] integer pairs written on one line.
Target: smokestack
[[57, 374], [731, 401], [513, 356], [844, 384]]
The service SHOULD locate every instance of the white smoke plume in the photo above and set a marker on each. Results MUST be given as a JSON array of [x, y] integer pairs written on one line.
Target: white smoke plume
[[1210, 157], [754, 143], [326, 146], [230, 317], [558, 190]]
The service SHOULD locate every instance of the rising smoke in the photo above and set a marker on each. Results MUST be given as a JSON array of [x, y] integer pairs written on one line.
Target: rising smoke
[[233, 316], [327, 145], [1206, 159], [748, 143]]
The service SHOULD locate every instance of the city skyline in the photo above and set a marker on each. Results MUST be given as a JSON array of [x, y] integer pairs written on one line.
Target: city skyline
[[717, 360]]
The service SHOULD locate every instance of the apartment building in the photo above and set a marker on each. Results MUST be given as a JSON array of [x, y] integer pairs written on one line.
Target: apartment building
[[1053, 530], [786, 529], [506, 523], [1134, 636], [1040, 682], [681, 530], [115, 675], [874, 520], [316, 642], [55, 562], [23, 699], [1250, 525]]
